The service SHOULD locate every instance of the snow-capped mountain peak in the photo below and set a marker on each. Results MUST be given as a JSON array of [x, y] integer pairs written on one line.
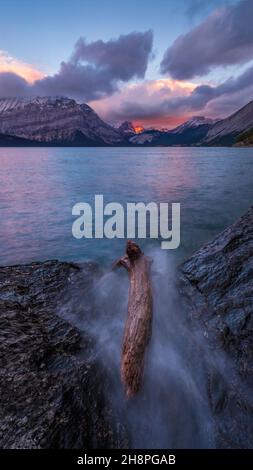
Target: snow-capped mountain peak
[[7, 104], [54, 119]]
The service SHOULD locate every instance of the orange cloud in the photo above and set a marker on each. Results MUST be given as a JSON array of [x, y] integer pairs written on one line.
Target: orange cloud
[[26, 71], [166, 84]]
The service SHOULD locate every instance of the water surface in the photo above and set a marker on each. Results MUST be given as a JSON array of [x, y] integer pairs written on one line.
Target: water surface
[[39, 186]]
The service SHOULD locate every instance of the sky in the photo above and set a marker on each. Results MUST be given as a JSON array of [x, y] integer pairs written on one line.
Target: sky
[[156, 63]]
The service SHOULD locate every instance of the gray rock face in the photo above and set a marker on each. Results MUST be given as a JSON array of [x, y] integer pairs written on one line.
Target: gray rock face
[[52, 387], [55, 120], [217, 284], [226, 130], [147, 137], [126, 129], [192, 123]]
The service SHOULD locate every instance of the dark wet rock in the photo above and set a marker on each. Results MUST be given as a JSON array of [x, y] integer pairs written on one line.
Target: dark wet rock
[[52, 386], [217, 286], [217, 391]]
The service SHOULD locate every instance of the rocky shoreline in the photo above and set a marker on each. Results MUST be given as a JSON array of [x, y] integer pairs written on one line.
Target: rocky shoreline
[[51, 396], [53, 385], [217, 286]]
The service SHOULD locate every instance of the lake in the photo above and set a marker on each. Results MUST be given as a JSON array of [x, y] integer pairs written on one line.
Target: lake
[[39, 186]]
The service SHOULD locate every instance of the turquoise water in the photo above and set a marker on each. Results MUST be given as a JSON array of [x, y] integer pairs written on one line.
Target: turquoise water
[[39, 186]]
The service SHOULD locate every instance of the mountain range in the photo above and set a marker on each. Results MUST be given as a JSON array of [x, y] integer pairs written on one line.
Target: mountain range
[[56, 121], [61, 121]]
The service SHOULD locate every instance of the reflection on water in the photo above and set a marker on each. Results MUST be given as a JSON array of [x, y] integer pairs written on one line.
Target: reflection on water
[[38, 188]]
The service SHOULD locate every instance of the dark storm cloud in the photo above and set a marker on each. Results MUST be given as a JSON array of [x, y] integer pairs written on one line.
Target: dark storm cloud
[[94, 70], [123, 59], [204, 94], [130, 110], [224, 38], [83, 82]]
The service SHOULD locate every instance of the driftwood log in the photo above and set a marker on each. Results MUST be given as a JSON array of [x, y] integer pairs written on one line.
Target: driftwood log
[[139, 317]]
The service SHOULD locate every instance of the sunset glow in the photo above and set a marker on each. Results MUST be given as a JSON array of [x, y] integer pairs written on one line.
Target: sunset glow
[[26, 71], [164, 122], [156, 73], [169, 84], [138, 129]]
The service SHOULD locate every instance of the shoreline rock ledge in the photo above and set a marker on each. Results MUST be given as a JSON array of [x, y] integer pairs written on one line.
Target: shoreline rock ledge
[[52, 387], [55, 392], [216, 284]]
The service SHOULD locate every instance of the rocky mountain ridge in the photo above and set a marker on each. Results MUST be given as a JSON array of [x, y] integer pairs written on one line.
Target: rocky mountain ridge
[[55, 120], [229, 130], [61, 121], [127, 128], [193, 122]]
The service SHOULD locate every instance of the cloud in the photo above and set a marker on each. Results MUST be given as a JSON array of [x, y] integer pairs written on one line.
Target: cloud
[[12, 84], [94, 70], [224, 38], [197, 7], [15, 66], [225, 105], [123, 58], [98, 73], [206, 93], [165, 103], [203, 95], [143, 102]]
